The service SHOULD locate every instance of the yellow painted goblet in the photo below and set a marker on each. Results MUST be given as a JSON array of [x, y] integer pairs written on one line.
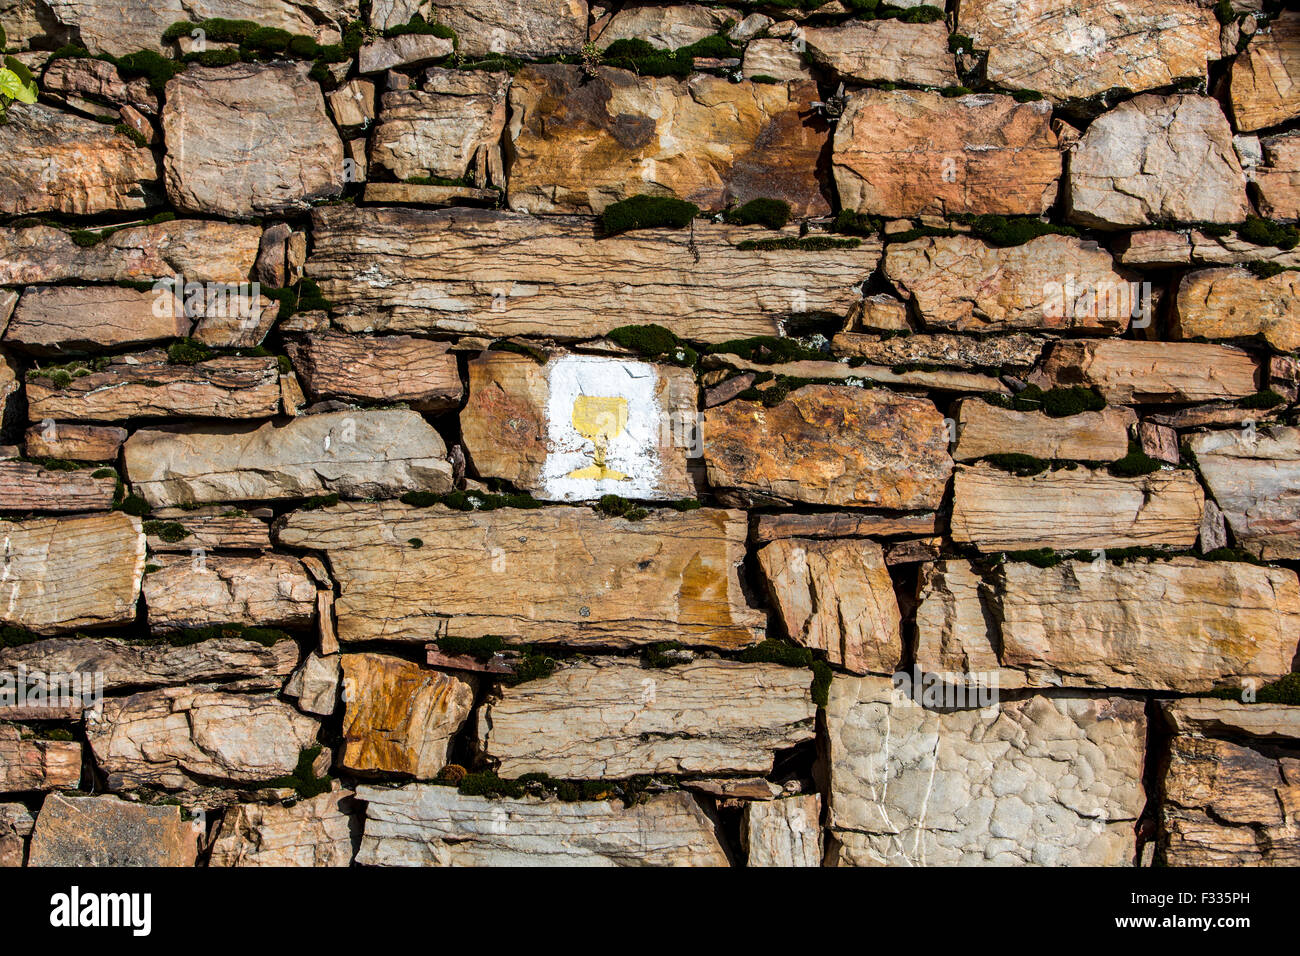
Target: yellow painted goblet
[[601, 420]]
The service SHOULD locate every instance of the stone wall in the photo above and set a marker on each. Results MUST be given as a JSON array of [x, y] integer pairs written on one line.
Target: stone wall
[[530, 431]]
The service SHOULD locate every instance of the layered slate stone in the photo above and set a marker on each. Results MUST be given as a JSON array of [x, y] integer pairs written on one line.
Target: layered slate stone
[[785, 832], [1278, 179], [16, 824], [832, 445], [1074, 508], [312, 832], [1155, 159], [910, 152], [984, 429], [1074, 49], [579, 427], [1235, 304], [28, 763], [66, 163], [608, 718], [1229, 783], [1177, 625], [198, 249], [177, 736], [271, 590], [884, 51], [501, 274], [106, 831], [209, 527], [960, 284], [356, 454], [400, 718], [427, 825], [1264, 88], [73, 442], [581, 142], [666, 28], [54, 319], [1254, 477], [573, 576], [249, 140], [27, 486], [519, 28], [836, 597], [389, 368], [1049, 781], [1134, 372], [148, 386], [68, 573]]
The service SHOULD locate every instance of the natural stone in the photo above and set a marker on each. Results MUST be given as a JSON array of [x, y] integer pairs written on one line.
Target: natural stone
[[1051, 781], [313, 832], [1074, 508], [667, 28], [106, 831], [1263, 90], [1157, 159], [585, 579], [98, 79], [248, 140], [73, 442], [581, 142], [910, 153], [16, 823], [209, 527], [1014, 350], [395, 368], [827, 444], [777, 59], [404, 50], [33, 764], [54, 319], [838, 524], [606, 718], [784, 832], [518, 28], [316, 684], [27, 486], [271, 590], [1234, 304], [357, 454], [984, 429], [1253, 477], [451, 126], [836, 597], [1132, 372], [400, 718], [888, 51]]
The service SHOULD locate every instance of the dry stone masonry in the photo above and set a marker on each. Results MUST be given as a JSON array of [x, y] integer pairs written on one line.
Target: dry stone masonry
[[553, 432]]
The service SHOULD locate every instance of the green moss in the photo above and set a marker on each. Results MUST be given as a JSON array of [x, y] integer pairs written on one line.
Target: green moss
[[960, 43], [1231, 554], [131, 133], [1017, 464], [480, 648], [416, 543], [306, 296], [1055, 402], [1038, 557], [17, 636], [858, 224], [684, 504], [1284, 690], [1014, 230], [471, 500], [653, 341], [316, 502], [223, 57], [215, 29], [768, 349], [134, 505], [303, 779], [531, 665], [660, 655], [188, 352], [1224, 11], [612, 506], [772, 213], [1263, 232], [642, 58], [488, 784], [772, 651], [154, 67], [798, 243], [1134, 464], [421, 26], [952, 92], [266, 636], [169, 531], [105, 473], [1265, 399], [821, 683], [1265, 270], [647, 212]]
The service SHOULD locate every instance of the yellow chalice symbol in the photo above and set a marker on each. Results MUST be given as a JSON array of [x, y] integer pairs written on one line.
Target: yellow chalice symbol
[[601, 420]]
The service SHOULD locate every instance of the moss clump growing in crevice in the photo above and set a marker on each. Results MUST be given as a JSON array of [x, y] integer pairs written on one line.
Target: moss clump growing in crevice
[[1018, 464], [1054, 402], [471, 500], [421, 26], [858, 224], [653, 341], [1014, 230], [1264, 232], [1038, 557], [684, 504], [769, 349], [169, 531], [1134, 464], [798, 244], [306, 296], [644, 59], [61, 376], [303, 780], [612, 506], [1284, 690], [266, 636], [532, 664], [316, 502], [480, 648], [189, 352], [1265, 399], [772, 651], [133, 505], [647, 212], [772, 213], [11, 636], [1231, 554], [661, 655]]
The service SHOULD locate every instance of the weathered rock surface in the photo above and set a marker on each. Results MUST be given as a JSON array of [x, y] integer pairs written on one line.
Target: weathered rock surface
[[784, 832], [1072, 49], [827, 444], [32, 764], [1074, 508], [67, 573], [98, 79], [1233, 303], [316, 683], [426, 825], [500, 274], [16, 823], [1044, 781], [836, 596], [1133, 372], [606, 718], [55, 319], [957, 283], [1014, 350], [167, 738], [272, 590], [313, 832], [405, 50], [1263, 88], [889, 51], [577, 577], [454, 123], [1178, 625], [10, 383], [61, 162], [126, 664], [106, 831], [148, 386], [522, 424], [249, 139], [518, 28], [73, 442], [984, 429], [400, 717], [355, 453], [842, 524], [909, 153], [1157, 159], [580, 143], [777, 59], [1255, 478], [1278, 180], [200, 250], [26, 486], [667, 28], [394, 368]]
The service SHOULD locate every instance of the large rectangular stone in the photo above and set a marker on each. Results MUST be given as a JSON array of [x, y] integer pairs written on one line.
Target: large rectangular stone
[[1254, 476]]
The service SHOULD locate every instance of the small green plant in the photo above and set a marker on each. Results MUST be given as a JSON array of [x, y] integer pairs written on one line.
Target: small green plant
[[16, 81], [647, 212], [772, 213]]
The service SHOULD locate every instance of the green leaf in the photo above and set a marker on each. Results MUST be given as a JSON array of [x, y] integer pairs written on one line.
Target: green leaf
[[26, 91], [10, 84]]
